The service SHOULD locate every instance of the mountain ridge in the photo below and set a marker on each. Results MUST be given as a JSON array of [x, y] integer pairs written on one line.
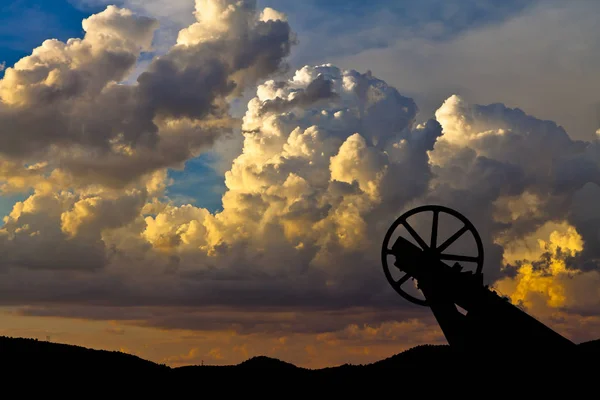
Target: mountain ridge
[[22, 347], [435, 368]]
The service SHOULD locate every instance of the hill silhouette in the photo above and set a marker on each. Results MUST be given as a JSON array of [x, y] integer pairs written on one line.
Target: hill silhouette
[[266, 362], [34, 358]]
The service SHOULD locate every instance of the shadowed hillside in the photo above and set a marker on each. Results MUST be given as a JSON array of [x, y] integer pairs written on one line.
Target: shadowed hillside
[[33, 357], [37, 358]]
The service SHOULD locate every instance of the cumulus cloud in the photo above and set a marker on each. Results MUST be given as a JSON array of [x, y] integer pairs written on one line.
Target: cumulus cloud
[[549, 278], [299, 196], [65, 104], [330, 157], [488, 62]]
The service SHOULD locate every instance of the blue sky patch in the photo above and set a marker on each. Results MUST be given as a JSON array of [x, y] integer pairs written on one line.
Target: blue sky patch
[[25, 24]]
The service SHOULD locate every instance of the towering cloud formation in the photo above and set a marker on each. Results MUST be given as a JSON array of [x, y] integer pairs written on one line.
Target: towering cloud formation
[[330, 158], [516, 172], [64, 104], [303, 194]]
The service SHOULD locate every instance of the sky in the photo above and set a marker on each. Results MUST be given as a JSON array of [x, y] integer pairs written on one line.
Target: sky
[[211, 180]]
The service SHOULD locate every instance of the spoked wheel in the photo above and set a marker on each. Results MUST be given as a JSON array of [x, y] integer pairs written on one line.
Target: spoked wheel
[[431, 248]]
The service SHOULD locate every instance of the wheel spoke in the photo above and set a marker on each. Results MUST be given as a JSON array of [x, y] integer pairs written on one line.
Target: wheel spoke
[[452, 239], [415, 235], [434, 230], [456, 257], [402, 280]]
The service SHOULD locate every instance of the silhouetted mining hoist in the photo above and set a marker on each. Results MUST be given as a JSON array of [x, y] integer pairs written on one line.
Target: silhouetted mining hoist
[[488, 324]]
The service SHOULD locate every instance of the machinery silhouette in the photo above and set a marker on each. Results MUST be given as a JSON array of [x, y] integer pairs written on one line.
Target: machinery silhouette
[[489, 325]]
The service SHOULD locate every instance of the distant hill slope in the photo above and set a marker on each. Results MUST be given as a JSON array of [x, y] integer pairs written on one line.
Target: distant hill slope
[[31, 356], [35, 358], [591, 347]]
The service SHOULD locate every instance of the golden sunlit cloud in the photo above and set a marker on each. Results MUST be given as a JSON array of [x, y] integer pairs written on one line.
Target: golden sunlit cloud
[[546, 278]]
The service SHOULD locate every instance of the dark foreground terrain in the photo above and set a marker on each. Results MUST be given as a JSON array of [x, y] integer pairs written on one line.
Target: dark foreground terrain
[[33, 360]]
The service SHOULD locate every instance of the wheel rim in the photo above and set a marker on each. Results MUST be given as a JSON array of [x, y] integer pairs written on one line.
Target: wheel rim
[[433, 246]]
